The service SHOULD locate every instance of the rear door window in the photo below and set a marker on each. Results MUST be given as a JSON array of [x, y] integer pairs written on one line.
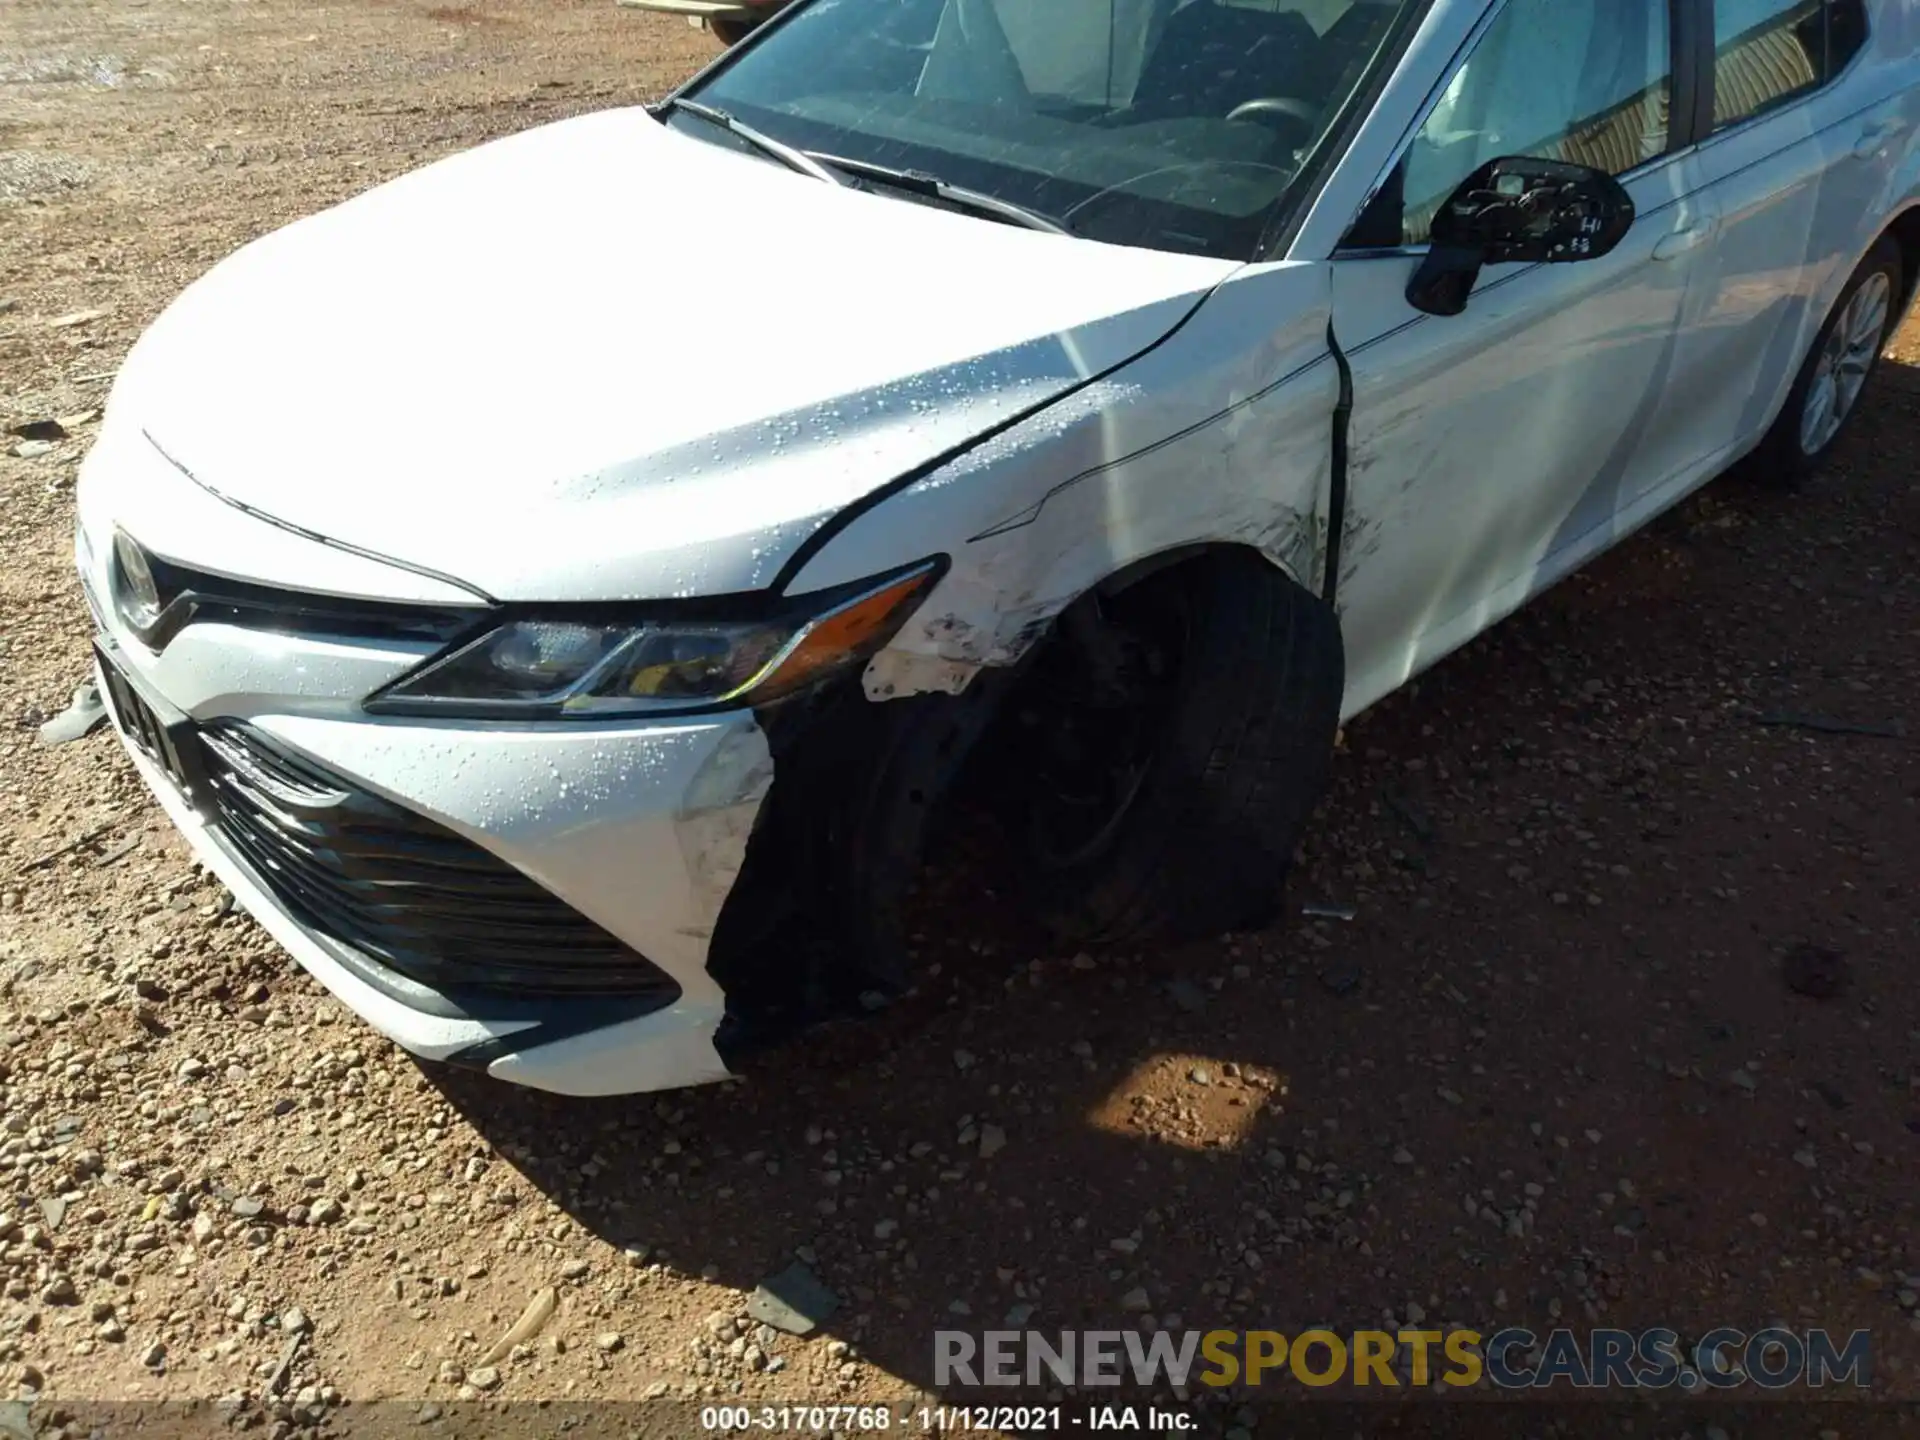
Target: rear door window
[[1768, 53]]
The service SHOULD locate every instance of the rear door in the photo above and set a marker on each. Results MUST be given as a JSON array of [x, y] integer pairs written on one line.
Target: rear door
[[1810, 114]]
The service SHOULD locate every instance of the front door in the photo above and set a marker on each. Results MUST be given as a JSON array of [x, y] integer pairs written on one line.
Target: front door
[[1482, 444]]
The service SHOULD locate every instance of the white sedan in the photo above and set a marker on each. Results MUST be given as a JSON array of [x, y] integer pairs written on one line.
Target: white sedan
[[1109, 396]]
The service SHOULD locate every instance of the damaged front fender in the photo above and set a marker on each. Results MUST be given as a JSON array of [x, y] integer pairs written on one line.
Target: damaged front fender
[[1218, 436]]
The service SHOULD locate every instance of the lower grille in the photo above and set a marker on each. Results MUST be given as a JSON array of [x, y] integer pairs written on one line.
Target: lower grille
[[399, 888]]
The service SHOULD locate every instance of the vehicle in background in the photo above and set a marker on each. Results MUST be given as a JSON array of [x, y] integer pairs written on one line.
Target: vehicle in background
[[729, 21]]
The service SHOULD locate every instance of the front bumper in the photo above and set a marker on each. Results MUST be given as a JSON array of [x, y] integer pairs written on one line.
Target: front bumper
[[639, 828]]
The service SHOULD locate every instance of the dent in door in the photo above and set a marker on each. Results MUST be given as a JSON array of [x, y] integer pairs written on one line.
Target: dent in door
[[1481, 442]]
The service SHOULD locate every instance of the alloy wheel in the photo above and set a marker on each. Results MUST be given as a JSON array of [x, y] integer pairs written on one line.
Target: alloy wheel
[[1846, 356]]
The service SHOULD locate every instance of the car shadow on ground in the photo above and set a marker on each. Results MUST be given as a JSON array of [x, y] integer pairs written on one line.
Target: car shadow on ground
[[1578, 855]]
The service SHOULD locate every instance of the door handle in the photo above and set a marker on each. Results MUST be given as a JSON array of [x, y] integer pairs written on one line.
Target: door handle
[[1679, 242], [1875, 135]]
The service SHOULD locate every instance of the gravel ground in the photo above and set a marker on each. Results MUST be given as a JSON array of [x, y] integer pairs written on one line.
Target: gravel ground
[[1559, 1067]]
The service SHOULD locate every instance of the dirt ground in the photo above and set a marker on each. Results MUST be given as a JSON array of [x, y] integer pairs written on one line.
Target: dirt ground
[[1551, 1071]]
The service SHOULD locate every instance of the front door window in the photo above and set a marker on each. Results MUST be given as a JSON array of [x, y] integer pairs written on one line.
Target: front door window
[[1584, 81]]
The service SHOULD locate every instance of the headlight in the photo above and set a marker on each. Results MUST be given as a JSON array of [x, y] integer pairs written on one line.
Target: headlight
[[563, 668]]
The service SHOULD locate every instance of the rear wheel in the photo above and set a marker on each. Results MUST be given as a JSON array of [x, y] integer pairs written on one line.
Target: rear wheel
[[730, 32], [1168, 749], [1826, 393]]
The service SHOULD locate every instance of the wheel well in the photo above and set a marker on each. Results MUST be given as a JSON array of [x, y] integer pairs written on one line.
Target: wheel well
[[815, 919], [1185, 665], [1055, 650], [1206, 551], [1905, 231]]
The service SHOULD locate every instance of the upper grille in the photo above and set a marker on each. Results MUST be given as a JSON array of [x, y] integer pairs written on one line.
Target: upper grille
[[187, 595], [403, 890]]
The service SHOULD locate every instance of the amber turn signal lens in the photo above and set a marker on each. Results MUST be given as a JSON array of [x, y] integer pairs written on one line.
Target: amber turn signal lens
[[846, 635]]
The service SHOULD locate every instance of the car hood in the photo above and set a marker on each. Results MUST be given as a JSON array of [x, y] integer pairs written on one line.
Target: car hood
[[602, 359]]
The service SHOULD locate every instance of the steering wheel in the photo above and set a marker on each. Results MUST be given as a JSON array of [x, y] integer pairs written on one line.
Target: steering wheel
[[1273, 107]]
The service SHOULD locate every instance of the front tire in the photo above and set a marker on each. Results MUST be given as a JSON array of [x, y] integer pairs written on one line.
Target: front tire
[[730, 32], [1826, 393], [1177, 741]]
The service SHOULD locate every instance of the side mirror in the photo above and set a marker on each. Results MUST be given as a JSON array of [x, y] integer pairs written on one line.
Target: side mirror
[[1540, 212]]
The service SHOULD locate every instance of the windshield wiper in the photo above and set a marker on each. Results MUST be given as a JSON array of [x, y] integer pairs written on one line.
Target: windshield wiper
[[824, 167], [779, 150], [933, 187]]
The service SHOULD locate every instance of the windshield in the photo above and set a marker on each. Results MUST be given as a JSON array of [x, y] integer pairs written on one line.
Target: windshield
[[1172, 124]]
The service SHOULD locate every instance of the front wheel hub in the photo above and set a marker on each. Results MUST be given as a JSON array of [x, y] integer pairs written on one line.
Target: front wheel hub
[[1096, 728]]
